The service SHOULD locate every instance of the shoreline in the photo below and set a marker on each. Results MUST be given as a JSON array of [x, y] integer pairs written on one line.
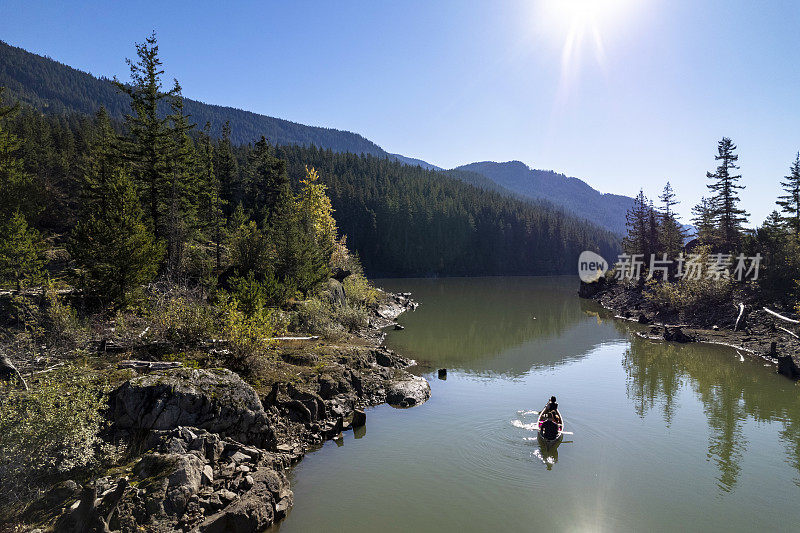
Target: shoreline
[[207, 451], [757, 334]]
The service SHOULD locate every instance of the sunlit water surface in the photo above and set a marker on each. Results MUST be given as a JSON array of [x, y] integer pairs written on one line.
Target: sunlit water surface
[[666, 437]]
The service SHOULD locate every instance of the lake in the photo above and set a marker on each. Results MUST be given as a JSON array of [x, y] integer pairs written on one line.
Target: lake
[[666, 437]]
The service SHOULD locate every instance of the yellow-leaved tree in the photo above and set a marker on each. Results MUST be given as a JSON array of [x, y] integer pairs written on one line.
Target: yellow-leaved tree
[[313, 202]]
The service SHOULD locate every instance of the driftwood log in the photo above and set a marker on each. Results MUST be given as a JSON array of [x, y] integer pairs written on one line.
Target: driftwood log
[[778, 315], [8, 371], [149, 365]]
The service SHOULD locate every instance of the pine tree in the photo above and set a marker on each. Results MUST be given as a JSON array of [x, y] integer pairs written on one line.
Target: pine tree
[[183, 185], [226, 169], [211, 202], [637, 241], [21, 252], [114, 247], [268, 185], [300, 263], [147, 146], [790, 202], [704, 221], [672, 233], [17, 187], [728, 217], [100, 163]]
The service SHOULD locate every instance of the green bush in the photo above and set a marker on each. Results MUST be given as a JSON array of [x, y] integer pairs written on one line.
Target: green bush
[[359, 291], [248, 337], [50, 432], [181, 317], [317, 317]]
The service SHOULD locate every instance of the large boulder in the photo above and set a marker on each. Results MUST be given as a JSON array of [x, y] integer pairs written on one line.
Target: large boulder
[[215, 400], [407, 392], [170, 480], [268, 499]]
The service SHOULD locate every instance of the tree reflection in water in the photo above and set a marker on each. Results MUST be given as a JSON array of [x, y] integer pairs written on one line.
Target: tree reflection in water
[[731, 393]]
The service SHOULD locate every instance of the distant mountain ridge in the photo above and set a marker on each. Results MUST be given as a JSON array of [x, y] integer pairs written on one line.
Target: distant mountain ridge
[[575, 195], [56, 88]]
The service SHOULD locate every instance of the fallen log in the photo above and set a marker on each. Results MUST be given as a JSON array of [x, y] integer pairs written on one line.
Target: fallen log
[[8, 371], [149, 365], [778, 315], [738, 318], [789, 332]]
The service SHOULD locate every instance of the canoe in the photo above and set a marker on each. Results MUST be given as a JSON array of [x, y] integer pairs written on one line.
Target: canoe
[[552, 441]]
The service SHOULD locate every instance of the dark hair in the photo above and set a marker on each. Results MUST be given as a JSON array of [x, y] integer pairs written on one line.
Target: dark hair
[[553, 399]]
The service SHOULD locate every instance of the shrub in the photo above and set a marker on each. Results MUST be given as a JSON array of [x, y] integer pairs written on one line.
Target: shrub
[[50, 432], [317, 317], [181, 316], [248, 337], [359, 291], [61, 322]]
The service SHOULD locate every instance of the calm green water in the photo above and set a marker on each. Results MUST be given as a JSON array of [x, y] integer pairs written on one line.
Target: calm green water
[[666, 437]]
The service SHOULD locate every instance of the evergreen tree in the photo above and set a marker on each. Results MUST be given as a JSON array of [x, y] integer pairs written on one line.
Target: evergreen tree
[[148, 142], [300, 263], [226, 169], [211, 201], [638, 239], [704, 221], [268, 185], [790, 202], [114, 247], [672, 233], [100, 163], [183, 185], [21, 252], [728, 217], [17, 187]]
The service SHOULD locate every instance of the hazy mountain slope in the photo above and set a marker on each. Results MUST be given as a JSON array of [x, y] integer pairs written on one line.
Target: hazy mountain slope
[[606, 210], [412, 161], [56, 88]]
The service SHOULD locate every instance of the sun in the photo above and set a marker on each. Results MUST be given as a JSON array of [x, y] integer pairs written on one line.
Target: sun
[[586, 13], [581, 28]]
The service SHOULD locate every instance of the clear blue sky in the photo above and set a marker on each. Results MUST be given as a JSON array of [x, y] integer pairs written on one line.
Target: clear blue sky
[[452, 82]]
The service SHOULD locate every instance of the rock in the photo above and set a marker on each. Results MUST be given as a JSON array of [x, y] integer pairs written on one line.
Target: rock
[[208, 475], [675, 334], [227, 495], [589, 290], [442, 373], [257, 508], [334, 293], [239, 457], [413, 390], [359, 418], [217, 400], [171, 480]]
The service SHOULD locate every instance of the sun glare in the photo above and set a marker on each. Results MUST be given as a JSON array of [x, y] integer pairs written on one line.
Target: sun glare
[[581, 26]]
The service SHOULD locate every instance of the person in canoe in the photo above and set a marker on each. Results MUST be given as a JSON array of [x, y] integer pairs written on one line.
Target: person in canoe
[[551, 409]]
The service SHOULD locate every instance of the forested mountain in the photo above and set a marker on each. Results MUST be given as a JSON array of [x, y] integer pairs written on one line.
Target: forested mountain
[[408, 218], [401, 220], [55, 88], [606, 210]]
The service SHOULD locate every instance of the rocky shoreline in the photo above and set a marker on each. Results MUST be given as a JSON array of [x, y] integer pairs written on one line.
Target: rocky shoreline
[[208, 452], [748, 328]]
